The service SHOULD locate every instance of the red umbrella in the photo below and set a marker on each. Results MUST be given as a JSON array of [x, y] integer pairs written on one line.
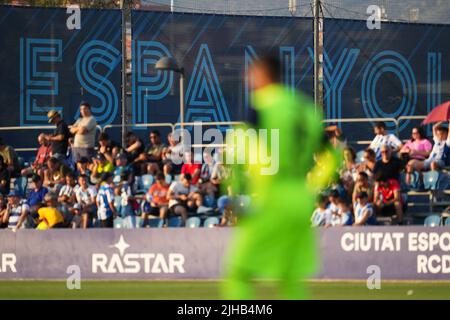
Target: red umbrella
[[439, 113]]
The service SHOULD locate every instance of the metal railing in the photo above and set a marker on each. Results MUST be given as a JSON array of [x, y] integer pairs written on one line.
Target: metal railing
[[173, 126], [25, 128]]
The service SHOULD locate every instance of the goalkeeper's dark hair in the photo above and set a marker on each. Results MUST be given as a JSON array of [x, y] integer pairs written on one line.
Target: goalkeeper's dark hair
[[271, 64]]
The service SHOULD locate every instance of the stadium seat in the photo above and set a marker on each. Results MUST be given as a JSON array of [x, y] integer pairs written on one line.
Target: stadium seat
[[20, 185], [210, 222], [129, 222], [21, 162], [430, 180], [145, 182], [175, 222], [193, 222], [118, 223], [360, 156], [31, 160], [415, 184], [432, 221], [169, 179], [155, 223], [447, 222]]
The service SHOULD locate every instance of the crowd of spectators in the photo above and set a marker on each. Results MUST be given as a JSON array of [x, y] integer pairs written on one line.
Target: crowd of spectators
[[78, 181], [371, 187]]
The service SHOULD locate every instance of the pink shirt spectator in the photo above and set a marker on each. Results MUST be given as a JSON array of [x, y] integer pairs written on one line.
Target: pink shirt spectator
[[418, 145]]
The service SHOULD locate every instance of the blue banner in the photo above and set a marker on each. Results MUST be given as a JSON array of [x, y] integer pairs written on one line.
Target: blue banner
[[398, 70], [215, 51], [53, 58]]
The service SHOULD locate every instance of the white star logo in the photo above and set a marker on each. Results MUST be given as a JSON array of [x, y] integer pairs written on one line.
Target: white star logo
[[121, 245]]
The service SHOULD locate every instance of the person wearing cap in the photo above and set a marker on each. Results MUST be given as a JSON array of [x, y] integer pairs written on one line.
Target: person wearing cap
[[84, 131], [49, 216], [60, 138], [100, 166], [16, 212], [106, 210]]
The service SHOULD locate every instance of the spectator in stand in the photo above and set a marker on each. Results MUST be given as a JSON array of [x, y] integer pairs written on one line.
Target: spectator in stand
[[67, 198], [106, 211], [55, 175], [135, 147], [389, 167], [86, 198], [440, 152], [335, 136], [17, 213], [349, 170], [387, 194], [189, 166], [49, 216], [10, 159], [322, 214], [157, 197], [82, 167], [362, 185], [5, 178], [418, 148], [2, 212], [229, 218], [36, 196], [370, 159], [333, 198], [100, 166], [122, 167], [384, 138], [173, 156], [84, 131], [60, 138], [109, 148], [183, 197], [123, 190], [364, 213], [151, 158], [43, 154], [345, 213]]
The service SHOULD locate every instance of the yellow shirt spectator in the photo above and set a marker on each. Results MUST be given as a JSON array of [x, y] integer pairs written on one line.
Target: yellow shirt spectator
[[105, 167], [49, 217]]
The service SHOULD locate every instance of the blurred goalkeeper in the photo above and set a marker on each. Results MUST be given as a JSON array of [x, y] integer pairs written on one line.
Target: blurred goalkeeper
[[275, 240]]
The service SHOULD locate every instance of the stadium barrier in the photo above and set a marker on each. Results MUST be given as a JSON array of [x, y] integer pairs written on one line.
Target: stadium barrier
[[395, 253]]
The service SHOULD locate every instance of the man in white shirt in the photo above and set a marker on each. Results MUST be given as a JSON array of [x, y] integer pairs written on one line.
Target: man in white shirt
[[384, 138], [440, 150], [84, 131]]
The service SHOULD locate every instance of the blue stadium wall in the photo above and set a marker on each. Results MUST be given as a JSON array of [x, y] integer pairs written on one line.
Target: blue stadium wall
[[401, 69], [44, 65]]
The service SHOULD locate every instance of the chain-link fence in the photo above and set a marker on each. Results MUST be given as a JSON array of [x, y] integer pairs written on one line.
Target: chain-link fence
[[411, 11]]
